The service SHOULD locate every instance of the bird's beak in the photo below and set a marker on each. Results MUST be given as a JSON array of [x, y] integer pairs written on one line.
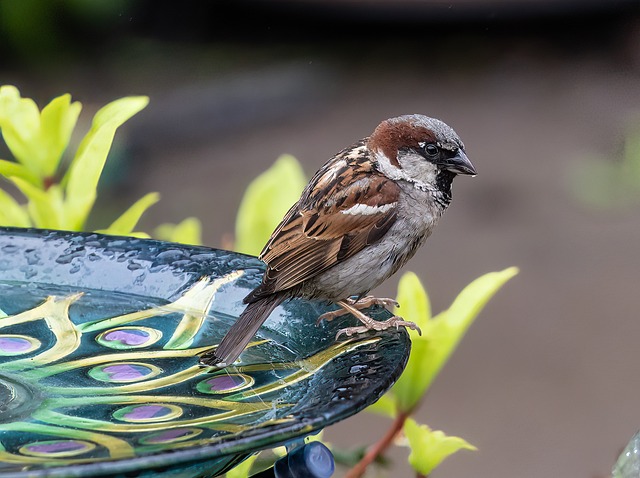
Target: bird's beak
[[460, 164]]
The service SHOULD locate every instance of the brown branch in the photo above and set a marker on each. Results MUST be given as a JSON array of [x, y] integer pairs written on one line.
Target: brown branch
[[378, 448]]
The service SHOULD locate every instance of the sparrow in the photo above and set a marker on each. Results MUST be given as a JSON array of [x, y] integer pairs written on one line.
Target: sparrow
[[362, 216]]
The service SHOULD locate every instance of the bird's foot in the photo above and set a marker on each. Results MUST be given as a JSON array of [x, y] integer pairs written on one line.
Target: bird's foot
[[363, 303], [378, 325]]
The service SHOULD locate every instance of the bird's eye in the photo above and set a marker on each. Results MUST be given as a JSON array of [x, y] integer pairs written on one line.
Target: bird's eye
[[431, 150]]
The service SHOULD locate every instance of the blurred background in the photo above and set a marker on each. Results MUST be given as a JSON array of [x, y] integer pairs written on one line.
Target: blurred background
[[546, 96]]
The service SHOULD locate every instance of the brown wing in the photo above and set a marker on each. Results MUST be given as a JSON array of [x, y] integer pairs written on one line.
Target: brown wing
[[343, 216]]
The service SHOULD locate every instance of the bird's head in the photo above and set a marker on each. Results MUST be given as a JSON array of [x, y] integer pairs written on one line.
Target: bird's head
[[418, 149]]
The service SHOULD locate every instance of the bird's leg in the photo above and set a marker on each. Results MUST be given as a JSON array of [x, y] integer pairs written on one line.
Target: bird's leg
[[372, 324], [363, 303]]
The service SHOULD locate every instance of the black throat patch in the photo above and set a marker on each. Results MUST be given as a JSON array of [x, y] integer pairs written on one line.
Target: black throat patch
[[444, 180]]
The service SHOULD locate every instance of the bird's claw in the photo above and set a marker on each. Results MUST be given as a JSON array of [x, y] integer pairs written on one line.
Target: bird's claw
[[394, 321], [363, 303], [370, 300], [329, 316]]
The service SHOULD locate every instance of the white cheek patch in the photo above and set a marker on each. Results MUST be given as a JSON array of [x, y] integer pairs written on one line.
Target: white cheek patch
[[366, 210], [393, 172]]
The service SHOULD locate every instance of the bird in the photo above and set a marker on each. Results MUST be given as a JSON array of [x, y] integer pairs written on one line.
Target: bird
[[360, 218]]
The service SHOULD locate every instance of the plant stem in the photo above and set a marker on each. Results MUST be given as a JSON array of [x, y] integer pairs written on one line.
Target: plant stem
[[378, 448]]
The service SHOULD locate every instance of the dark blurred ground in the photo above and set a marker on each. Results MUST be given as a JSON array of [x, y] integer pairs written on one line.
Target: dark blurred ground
[[545, 383]]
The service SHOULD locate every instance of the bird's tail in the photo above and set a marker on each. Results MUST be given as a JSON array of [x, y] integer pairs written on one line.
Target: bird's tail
[[240, 333]]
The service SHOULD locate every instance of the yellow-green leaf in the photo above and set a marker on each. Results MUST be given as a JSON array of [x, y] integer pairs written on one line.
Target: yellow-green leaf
[[441, 335], [188, 231], [126, 223], [475, 296], [57, 121], [12, 213], [317, 437], [20, 124], [385, 406], [266, 201], [243, 469], [82, 178], [11, 168], [430, 447], [45, 207], [414, 301], [138, 234]]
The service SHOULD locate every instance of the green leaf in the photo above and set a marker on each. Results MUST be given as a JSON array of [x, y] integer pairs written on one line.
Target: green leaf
[[20, 124], [37, 140], [138, 234], [243, 469], [430, 447], [414, 301], [11, 168], [81, 181], [317, 437], [45, 207], [385, 406], [126, 223], [188, 231], [57, 121], [441, 334], [605, 183], [474, 297], [12, 213], [349, 457], [266, 201]]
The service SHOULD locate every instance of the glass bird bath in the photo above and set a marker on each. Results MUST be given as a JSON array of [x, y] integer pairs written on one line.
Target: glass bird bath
[[99, 369]]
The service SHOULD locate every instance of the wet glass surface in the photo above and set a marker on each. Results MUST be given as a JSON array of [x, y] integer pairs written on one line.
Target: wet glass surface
[[99, 358]]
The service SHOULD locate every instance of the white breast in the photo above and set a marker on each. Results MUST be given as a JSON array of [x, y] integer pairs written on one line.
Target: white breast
[[377, 262]]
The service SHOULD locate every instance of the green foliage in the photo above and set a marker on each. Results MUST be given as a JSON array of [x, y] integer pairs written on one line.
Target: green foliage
[[124, 225], [243, 469], [429, 352], [81, 180], [38, 140], [605, 184], [440, 335], [188, 231], [266, 200], [430, 447], [36, 31]]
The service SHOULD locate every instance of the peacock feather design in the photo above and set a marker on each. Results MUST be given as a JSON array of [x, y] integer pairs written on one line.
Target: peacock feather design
[[99, 358]]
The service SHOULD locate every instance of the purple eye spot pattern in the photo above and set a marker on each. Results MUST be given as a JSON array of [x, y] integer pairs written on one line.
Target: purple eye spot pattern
[[57, 448], [173, 435], [147, 413], [123, 338], [225, 383], [11, 344], [124, 372]]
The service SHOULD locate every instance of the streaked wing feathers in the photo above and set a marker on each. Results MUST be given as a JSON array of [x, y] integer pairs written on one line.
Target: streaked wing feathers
[[343, 216]]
